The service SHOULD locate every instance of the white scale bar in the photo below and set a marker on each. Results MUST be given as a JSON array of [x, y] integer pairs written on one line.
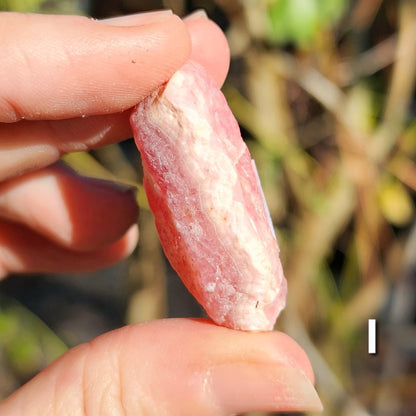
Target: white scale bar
[[372, 336]]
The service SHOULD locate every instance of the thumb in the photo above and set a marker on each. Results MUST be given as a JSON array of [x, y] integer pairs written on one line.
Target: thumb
[[176, 367]]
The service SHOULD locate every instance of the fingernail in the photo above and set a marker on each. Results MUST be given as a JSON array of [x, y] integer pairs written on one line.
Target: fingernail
[[197, 14], [132, 237], [139, 18], [242, 387]]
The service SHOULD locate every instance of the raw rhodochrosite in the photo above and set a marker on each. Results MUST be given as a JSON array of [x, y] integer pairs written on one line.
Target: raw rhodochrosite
[[209, 208]]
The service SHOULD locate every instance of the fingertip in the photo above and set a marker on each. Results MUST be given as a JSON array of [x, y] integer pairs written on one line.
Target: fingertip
[[99, 211], [131, 238], [209, 46], [115, 252], [245, 387], [154, 52], [293, 354], [79, 213]]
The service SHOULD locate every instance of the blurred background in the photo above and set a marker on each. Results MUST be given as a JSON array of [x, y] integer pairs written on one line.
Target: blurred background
[[324, 91]]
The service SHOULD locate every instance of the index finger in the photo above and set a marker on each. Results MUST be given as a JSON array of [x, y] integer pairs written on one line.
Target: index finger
[[48, 140], [56, 67]]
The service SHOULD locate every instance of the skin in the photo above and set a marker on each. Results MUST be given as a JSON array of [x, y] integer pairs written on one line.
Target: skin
[[66, 83]]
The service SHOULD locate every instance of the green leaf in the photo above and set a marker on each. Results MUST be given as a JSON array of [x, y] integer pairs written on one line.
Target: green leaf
[[20, 5], [85, 164], [300, 21], [395, 202], [26, 342]]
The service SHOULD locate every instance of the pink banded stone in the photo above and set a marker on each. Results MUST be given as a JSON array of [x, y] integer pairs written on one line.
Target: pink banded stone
[[204, 191]]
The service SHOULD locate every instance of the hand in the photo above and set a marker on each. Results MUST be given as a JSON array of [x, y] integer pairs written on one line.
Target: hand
[[56, 70], [65, 85], [178, 367]]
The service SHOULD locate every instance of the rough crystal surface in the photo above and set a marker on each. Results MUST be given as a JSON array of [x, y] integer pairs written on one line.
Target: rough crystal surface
[[209, 208]]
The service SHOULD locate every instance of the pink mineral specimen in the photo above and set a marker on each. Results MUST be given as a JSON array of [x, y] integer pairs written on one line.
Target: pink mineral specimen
[[209, 208]]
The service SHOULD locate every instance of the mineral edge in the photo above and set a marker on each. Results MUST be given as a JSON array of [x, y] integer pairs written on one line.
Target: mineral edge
[[209, 208]]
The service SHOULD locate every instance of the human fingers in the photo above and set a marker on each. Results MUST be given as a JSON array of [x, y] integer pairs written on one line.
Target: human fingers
[[176, 367], [209, 45], [24, 251], [56, 67], [29, 145], [76, 212]]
